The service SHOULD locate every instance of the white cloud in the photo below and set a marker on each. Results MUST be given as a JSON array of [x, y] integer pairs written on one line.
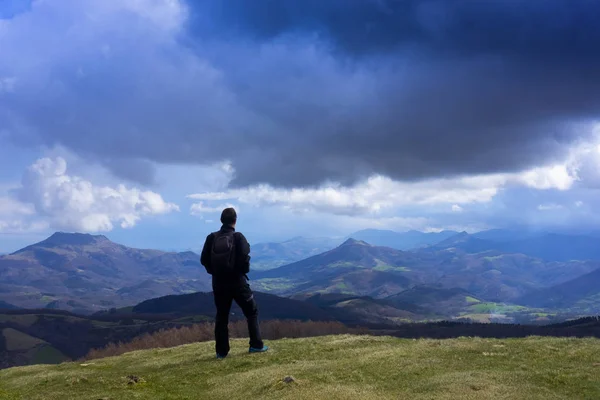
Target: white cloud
[[167, 15], [550, 207], [13, 226], [456, 208], [12, 207], [72, 203], [379, 194], [370, 197], [559, 177], [199, 208], [13, 214], [584, 160]]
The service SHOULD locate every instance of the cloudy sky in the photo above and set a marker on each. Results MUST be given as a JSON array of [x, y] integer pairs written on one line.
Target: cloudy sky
[[142, 119]]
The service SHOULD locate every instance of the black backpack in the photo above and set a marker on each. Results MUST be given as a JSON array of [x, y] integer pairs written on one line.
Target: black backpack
[[222, 254]]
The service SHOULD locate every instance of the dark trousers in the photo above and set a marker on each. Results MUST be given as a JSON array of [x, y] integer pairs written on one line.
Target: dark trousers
[[243, 296]]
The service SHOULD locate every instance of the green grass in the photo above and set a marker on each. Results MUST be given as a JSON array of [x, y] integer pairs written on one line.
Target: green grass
[[390, 268], [498, 308], [47, 299], [345, 264], [493, 258], [334, 367], [486, 308], [46, 354], [342, 286], [16, 340], [273, 284]]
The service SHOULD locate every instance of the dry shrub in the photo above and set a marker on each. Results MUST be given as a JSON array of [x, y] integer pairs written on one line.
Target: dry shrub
[[270, 330]]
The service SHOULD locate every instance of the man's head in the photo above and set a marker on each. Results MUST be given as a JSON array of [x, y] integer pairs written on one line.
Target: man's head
[[229, 216]]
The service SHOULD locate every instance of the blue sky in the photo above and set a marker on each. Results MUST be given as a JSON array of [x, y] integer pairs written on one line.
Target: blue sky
[[142, 119]]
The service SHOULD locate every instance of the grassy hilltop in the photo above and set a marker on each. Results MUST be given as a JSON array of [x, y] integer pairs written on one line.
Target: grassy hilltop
[[332, 367]]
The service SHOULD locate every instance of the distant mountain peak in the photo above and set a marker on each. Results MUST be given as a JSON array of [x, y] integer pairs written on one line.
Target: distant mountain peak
[[65, 238], [354, 242]]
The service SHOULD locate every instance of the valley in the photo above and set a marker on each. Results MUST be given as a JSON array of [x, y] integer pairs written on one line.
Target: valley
[[71, 293], [448, 279]]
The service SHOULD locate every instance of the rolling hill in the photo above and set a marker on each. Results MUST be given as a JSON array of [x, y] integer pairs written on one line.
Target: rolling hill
[[87, 273], [354, 267], [46, 335], [546, 246], [329, 367], [270, 307], [18, 348], [438, 300], [401, 240], [360, 269], [581, 294], [7, 306], [272, 255], [365, 311]]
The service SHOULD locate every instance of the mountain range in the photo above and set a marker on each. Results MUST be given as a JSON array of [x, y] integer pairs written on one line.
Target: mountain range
[[84, 273], [546, 246], [271, 255], [359, 268], [87, 273], [581, 294], [401, 240]]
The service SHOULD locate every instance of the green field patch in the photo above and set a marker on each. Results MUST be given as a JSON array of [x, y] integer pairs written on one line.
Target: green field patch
[[16, 340], [46, 354], [273, 284], [341, 286], [390, 268], [47, 299], [541, 314], [496, 308], [344, 264], [481, 308], [472, 300], [493, 258]]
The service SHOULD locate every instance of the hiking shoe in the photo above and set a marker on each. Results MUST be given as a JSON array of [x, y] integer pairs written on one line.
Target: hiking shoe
[[255, 350], [220, 357]]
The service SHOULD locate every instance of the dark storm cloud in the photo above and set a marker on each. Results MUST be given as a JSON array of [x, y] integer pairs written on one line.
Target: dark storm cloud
[[296, 93], [552, 29]]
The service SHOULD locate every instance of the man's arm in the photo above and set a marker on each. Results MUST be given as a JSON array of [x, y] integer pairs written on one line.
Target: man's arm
[[205, 256], [243, 254]]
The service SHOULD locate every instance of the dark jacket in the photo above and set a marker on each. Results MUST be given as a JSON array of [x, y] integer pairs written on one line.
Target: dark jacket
[[242, 259]]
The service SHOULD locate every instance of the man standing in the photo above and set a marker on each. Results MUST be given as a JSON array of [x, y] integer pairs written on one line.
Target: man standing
[[226, 256]]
